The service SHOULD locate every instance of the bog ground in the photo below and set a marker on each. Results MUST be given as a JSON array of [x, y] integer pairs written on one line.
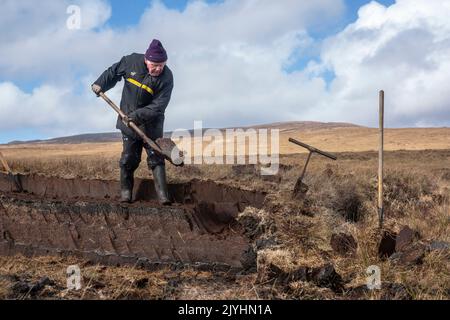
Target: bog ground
[[317, 246]]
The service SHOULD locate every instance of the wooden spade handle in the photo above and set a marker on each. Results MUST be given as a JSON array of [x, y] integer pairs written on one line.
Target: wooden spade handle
[[132, 125], [178, 161]]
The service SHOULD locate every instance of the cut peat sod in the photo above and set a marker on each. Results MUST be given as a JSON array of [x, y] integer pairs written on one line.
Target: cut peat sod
[[55, 216]]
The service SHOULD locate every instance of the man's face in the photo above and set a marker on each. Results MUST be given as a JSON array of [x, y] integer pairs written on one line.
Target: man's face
[[154, 68]]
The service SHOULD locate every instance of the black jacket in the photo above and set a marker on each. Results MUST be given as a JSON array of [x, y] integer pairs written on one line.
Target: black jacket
[[143, 94]]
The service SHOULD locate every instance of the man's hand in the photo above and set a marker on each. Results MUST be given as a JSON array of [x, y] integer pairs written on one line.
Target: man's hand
[[126, 120], [132, 117], [97, 89]]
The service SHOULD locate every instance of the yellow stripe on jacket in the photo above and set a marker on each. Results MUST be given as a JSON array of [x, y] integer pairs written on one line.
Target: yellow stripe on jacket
[[140, 85]]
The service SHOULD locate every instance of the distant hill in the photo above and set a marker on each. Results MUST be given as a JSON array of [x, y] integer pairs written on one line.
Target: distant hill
[[293, 126], [81, 138], [305, 125]]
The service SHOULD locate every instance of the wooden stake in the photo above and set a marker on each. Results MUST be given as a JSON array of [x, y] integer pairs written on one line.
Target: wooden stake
[[5, 164], [380, 162]]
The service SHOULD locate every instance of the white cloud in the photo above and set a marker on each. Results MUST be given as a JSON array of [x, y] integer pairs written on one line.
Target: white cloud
[[35, 40], [54, 111], [228, 61], [403, 49]]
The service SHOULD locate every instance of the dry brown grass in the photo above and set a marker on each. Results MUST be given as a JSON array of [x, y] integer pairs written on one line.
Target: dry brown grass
[[340, 139]]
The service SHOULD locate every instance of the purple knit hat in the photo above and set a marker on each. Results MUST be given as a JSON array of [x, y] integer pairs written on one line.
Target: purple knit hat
[[156, 52]]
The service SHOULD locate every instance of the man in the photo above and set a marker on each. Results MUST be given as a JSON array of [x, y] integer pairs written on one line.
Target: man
[[145, 96]]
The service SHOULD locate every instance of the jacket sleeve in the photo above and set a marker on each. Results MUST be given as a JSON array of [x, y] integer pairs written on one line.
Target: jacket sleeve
[[159, 104], [112, 75]]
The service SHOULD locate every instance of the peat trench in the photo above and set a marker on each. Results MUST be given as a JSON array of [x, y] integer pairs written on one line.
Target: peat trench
[[83, 218]]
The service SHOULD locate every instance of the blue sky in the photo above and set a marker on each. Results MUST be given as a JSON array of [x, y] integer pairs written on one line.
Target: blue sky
[[321, 60], [126, 13]]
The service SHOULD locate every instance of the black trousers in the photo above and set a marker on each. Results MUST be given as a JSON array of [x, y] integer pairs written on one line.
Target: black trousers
[[132, 152]]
